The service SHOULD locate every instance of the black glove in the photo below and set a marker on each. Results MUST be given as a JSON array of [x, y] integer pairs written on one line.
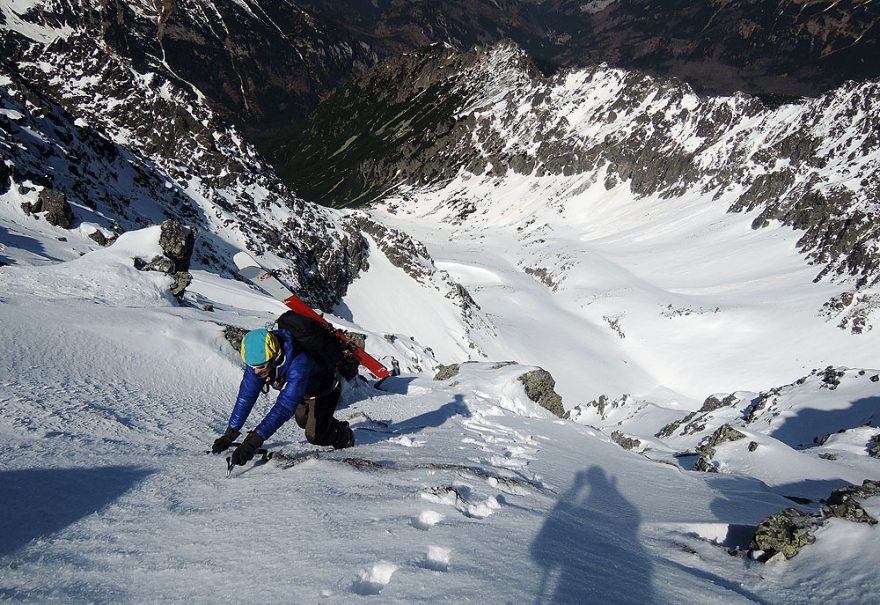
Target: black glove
[[221, 444], [348, 367], [248, 448]]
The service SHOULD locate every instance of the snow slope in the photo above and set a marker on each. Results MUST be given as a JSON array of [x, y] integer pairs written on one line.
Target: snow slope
[[667, 299], [458, 491]]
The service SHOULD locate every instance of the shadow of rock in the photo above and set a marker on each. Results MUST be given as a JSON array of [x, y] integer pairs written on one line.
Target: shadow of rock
[[810, 424]]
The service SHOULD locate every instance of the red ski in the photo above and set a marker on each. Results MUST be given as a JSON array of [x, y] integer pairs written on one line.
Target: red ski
[[250, 269]]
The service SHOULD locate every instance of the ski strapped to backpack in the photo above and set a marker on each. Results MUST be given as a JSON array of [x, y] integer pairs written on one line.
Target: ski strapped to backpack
[[303, 322]]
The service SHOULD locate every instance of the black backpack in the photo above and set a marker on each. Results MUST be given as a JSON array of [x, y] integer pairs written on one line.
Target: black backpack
[[317, 339]]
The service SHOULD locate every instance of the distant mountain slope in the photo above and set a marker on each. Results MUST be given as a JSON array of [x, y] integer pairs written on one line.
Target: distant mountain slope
[[264, 64], [431, 115], [795, 47], [260, 64]]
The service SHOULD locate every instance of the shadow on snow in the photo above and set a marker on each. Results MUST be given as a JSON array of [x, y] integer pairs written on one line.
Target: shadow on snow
[[800, 430], [589, 549], [40, 502]]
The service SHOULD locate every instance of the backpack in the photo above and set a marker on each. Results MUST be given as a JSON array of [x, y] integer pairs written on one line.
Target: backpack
[[316, 339]]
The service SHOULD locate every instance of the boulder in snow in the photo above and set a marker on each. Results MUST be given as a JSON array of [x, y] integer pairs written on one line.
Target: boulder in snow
[[446, 372], [177, 246], [54, 204], [540, 388], [706, 450], [842, 503], [625, 441], [785, 532]]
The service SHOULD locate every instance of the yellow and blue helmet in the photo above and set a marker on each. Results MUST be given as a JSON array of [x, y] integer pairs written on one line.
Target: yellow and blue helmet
[[259, 347]]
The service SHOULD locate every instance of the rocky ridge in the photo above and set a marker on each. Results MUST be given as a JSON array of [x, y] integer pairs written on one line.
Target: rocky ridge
[[797, 47], [129, 148], [810, 441], [259, 65]]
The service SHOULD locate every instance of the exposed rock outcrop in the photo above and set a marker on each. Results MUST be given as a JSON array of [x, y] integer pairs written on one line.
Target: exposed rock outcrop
[[784, 534], [706, 450], [540, 388], [177, 246]]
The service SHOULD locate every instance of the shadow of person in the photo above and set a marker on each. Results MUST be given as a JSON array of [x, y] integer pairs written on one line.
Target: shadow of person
[[588, 548], [434, 418], [40, 502]]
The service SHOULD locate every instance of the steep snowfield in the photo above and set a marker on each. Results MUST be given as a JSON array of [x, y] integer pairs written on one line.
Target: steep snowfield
[[459, 491], [669, 300]]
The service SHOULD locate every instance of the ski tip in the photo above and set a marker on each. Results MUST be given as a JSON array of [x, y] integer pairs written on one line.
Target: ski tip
[[244, 259], [378, 384]]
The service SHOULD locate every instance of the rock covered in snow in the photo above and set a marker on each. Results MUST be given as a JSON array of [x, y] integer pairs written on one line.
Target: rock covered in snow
[[625, 441], [176, 243], [785, 533], [706, 450], [843, 502]]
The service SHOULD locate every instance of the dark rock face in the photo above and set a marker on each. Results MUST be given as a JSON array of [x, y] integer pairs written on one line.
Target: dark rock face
[[177, 244], [540, 388], [802, 47], [5, 177], [262, 67], [55, 206]]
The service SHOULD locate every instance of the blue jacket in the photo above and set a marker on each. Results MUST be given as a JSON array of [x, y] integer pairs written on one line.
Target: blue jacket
[[304, 376]]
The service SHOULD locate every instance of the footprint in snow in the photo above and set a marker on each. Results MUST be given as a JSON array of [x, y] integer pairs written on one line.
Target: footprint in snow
[[436, 559], [427, 519], [371, 580]]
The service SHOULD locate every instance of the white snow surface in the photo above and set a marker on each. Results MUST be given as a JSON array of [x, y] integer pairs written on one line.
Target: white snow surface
[[111, 394], [668, 300]]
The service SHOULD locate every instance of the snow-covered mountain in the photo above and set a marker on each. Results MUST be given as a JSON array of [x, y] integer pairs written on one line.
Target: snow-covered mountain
[[430, 115], [580, 223], [678, 236], [128, 142], [260, 64]]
